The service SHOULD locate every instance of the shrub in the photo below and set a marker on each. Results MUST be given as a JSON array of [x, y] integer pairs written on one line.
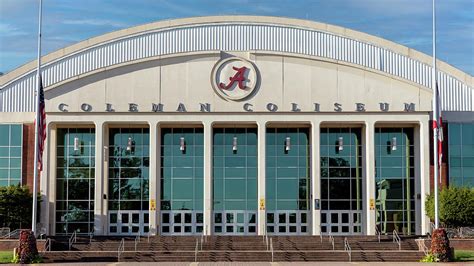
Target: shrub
[[15, 207], [440, 245], [456, 206]]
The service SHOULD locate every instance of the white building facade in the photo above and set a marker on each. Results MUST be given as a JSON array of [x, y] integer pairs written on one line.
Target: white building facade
[[235, 125]]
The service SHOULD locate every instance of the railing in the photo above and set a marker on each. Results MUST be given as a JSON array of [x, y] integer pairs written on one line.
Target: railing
[[91, 235], [120, 249], [271, 247], [4, 231], [47, 245], [420, 242], [331, 240], [196, 251], [72, 239], [347, 248], [396, 238], [320, 234], [377, 231], [12, 234], [137, 240], [150, 233]]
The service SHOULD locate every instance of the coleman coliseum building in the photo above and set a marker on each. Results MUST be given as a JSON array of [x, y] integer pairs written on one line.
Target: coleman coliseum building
[[235, 125]]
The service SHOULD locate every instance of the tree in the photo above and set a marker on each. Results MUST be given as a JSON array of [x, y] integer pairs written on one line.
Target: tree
[[15, 207], [456, 206]]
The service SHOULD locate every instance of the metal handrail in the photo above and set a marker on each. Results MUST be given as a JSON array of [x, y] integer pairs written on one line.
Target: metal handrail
[[267, 242], [396, 238], [348, 248], [120, 249], [72, 239], [420, 242], [202, 240], [271, 247], [47, 245], [137, 240], [150, 232], [3, 230], [196, 251], [15, 233], [331, 239], [91, 235], [377, 231]]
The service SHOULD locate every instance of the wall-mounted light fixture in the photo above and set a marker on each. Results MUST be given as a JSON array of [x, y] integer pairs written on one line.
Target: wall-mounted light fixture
[[181, 144], [393, 144], [129, 144], [287, 143], [340, 143], [77, 144], [234, 144]]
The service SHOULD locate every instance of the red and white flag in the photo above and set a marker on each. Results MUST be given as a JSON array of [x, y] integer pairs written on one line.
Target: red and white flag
[[438, 124]]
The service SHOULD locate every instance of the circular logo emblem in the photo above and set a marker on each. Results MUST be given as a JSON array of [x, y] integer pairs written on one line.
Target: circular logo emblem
[[234, 78]]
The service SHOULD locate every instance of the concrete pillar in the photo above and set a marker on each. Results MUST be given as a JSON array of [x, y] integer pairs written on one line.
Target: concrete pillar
[[422, 162], [47, 185], [154, 181], [100, 217], [315, 180], [261, 217], [368, 150], [207, 178]]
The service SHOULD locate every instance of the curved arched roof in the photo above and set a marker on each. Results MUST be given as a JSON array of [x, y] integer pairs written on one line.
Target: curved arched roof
[[235, 33]]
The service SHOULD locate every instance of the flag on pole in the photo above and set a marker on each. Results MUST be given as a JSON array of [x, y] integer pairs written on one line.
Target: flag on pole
[[438, 124], [41, 126]]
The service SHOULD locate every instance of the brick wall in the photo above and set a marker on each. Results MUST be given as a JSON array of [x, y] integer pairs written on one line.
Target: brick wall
[[28, 155]]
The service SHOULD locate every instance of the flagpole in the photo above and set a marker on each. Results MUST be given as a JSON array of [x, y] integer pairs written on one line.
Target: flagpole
[[434, 78], [38, 85]]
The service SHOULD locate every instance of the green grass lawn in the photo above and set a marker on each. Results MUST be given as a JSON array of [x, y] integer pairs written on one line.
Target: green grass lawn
[[6, 256], [464, 255]]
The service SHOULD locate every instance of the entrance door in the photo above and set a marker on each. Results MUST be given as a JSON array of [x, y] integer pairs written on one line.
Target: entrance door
[[288, 222], [341, 222], [235, 223], [341, 181], [128, 222], [181, 222]]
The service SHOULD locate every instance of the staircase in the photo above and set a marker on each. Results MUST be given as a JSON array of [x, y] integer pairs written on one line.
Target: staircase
[[232, 248]]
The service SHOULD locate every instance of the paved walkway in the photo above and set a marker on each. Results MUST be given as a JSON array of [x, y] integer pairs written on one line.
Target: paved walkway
[[262, 263]]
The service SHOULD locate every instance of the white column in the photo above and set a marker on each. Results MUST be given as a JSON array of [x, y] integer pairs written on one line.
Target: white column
[[261, 217], [315, 180], [100, 218], [154, 181], [368, 147], [207, 178], [423, 163], [47, 181]]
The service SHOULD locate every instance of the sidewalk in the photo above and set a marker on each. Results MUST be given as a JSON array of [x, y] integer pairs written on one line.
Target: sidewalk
[[261, 263]]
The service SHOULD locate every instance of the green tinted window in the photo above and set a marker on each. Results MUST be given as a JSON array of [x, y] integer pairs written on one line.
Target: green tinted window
[[182, 168], [461, 154], [11, 138], [75, 181], [235, 169], [287, 162]]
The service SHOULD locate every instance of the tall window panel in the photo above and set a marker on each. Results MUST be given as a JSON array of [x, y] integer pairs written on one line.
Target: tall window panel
[[10, 154], [182, 175], [341, 180], [395, 180], [461, 154], [129, 162], [287, 180], [235, 180], [75, 180]]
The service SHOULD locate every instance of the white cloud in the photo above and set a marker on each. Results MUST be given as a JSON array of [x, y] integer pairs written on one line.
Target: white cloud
[[8, 30], [95, 22]]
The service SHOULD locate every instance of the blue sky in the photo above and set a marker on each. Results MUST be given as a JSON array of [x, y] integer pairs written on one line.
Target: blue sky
[[407, 22]]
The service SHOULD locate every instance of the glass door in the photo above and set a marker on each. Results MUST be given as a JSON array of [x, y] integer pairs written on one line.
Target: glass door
[[341, 181]]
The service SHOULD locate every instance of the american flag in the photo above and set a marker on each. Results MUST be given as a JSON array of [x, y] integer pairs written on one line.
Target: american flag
[[41, 126]]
